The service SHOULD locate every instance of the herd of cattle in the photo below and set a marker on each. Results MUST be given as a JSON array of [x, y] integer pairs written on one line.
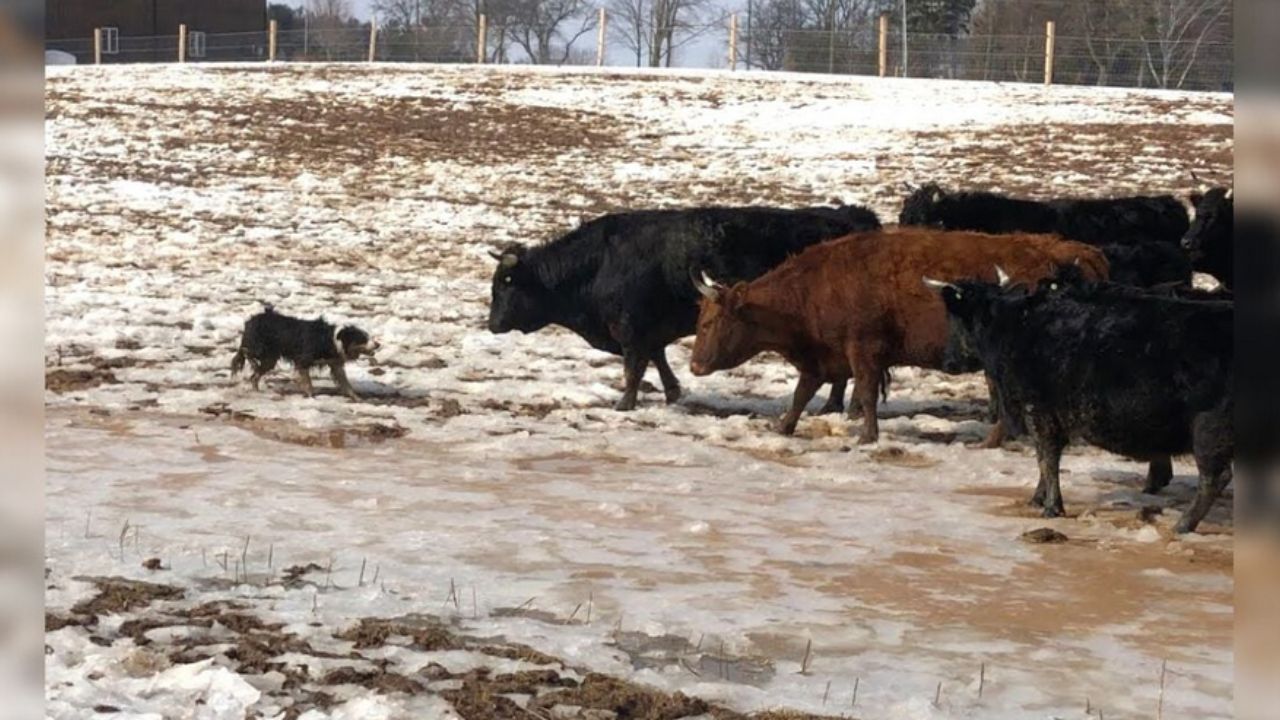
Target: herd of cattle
[[1081, 313]]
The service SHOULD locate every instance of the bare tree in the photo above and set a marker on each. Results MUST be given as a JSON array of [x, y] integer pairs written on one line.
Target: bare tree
[[498, 16], [331, 12], [398, 13], [1012, 43], [1173, 31], [654, 29], [772, 29], [547, 29], [425, 30], [627, 22], [1107, 31], [329, 24], [675, 23]]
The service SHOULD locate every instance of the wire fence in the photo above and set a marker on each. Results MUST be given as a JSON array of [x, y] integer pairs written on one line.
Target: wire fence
[[1128, 62], [1000, 58]]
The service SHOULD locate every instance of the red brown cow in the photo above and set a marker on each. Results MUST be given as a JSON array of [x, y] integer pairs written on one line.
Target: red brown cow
[[857, 306]]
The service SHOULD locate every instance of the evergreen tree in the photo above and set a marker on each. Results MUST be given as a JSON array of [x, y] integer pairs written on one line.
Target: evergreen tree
[[939, 17]]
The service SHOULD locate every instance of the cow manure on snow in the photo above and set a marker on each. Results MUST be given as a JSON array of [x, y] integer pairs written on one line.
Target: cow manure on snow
[[1044, 536]]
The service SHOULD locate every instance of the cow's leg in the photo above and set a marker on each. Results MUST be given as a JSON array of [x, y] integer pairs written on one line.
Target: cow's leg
[[867, 377], [1006, 425], [1159, 473], [1049, 447], [260, 368], [806, 387], [1213, 444], [995, 438], [634, 364], [340, 378], [1213, 480], [995, 416], [670, 385], [304, 380], [993, 402], [835, 402]]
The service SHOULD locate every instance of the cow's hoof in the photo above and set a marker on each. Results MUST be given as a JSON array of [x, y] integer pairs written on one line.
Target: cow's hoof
[[1154, 485], [785, 428], [673, 395], [1036, 501], [626, 404], [1183, 527], [990, 442], [1053, 512], [831, 408]]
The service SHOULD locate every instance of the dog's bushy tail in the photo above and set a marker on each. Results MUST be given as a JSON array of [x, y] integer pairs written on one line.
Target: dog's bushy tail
[[237, 362]]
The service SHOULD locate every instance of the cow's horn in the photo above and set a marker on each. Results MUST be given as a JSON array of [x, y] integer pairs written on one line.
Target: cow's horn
[[1001, 276], [509, 260], [1230, 193], [909, 186], [706, 280], [1190, 206], [936, 284], [705, 287], [495, 254], [1195, 178]]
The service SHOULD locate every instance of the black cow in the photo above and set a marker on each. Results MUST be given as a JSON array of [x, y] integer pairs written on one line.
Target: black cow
[[1147, 265], [1140, 374], [622, 282], [1211, 239], [1106, 223]]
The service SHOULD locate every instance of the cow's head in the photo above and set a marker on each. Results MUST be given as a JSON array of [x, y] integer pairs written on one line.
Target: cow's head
[[966, 303], [728, 331], [1212, 221], [516, 303], [355, 342], [920, 207]]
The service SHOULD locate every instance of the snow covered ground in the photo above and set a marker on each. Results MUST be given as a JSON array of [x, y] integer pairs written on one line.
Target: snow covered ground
[[711, 555]]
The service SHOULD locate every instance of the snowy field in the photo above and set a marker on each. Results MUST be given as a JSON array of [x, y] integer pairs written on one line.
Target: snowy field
[[485, 489]]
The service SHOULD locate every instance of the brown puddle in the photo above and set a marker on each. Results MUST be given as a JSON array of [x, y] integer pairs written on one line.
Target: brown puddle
[[1072, 588]]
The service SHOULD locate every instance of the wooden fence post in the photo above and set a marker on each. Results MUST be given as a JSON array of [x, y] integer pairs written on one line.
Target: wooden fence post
[[1049, 33], [481, 41], [97, 46], [600, 38], [182, 43], [884, 44], [271, 41], [373, 39], [733, 41]]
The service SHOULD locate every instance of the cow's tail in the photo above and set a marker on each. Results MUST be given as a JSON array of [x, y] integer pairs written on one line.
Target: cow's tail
[[237, 362], [885, 379]]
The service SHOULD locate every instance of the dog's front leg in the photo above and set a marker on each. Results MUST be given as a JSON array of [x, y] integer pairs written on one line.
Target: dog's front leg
[[304, 380], [340, 377]]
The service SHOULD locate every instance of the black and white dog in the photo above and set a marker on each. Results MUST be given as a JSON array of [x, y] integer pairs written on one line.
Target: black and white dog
[[269, 336]]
